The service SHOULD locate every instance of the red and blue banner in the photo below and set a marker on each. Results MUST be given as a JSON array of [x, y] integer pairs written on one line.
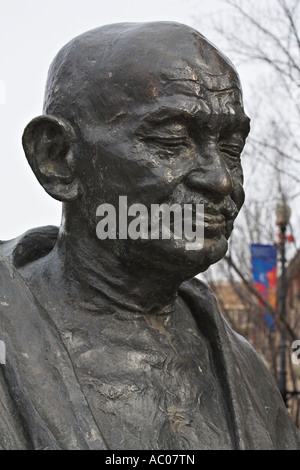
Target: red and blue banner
[[264, 271]]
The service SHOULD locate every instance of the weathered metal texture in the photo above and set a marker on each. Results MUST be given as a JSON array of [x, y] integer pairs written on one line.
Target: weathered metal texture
[[108, 342]]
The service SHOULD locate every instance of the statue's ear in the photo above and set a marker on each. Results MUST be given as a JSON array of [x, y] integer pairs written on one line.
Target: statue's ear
[[49, 143]]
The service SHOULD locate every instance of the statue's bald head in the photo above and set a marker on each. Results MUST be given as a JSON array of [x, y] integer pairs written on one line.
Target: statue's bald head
[[152, 111], [111, 69]]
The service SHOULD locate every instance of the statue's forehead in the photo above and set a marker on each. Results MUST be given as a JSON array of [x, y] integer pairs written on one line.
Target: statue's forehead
[[166, 60], [183, 90], [146, 82], [217, 107], [216, 73], [198, 83], [132, 71], [111, 69]]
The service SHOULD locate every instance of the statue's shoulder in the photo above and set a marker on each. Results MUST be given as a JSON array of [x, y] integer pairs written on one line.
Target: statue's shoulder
[[29, 246], [204, 306], [200, 298], [248, 379]]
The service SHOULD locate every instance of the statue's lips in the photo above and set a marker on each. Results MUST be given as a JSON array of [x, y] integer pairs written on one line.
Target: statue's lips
[[212, 223], [214, 219]]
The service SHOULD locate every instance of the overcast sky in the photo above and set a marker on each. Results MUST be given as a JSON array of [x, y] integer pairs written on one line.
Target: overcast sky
[[31, 33]]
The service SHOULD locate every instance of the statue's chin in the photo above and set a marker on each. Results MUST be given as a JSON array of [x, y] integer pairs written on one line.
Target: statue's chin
[[212, 252], [195, 261], [173, 256]]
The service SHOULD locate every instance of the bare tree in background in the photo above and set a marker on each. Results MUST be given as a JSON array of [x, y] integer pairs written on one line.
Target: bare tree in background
[[266, 35], [263, 38], [245, 309]]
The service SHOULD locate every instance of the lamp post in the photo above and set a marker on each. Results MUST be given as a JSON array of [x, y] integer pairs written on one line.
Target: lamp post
[[283, 213]]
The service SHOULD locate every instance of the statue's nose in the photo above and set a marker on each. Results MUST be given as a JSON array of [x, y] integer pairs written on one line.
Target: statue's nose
[[212, 177]]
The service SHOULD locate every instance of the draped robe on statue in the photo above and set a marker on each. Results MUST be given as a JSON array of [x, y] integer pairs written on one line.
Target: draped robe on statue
[[43, 406]]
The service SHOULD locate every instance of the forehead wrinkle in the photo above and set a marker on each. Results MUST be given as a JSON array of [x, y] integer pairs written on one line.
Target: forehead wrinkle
[[199, 80], [224, 101], [210, 103], [164, 112], [219, 83], [182, 87], [201, 112]]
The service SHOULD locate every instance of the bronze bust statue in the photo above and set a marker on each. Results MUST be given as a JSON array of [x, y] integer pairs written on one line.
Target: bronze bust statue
[[111, 343]]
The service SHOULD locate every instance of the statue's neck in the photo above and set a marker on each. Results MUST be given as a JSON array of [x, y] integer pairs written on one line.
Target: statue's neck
[[101, 278]]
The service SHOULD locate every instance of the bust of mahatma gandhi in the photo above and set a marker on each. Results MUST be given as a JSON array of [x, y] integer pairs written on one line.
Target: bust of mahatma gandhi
[[110, 342]]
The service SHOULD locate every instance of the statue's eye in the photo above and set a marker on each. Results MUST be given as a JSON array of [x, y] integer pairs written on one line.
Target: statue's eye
[[167, 140], [231, 144], [171, 134], [231, 150]]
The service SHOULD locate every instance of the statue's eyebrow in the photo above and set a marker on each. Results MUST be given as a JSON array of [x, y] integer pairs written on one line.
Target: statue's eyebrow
[[167, 113], [239, 122]]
